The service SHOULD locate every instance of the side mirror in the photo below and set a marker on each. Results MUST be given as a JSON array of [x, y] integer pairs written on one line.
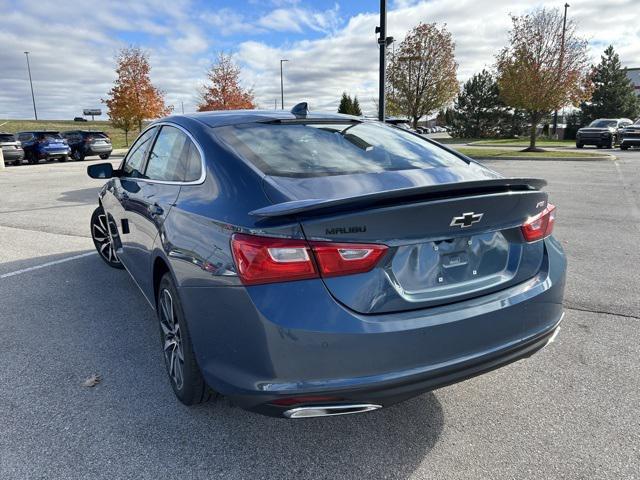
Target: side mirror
[[101, 171]]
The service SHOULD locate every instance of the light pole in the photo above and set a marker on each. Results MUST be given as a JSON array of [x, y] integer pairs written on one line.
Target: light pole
[[564, 29], [383, 42], [35, 112], [282, 85]]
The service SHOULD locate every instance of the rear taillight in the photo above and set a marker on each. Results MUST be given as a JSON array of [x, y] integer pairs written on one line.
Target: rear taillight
[[336, 259], [267, 260], [540, 226]]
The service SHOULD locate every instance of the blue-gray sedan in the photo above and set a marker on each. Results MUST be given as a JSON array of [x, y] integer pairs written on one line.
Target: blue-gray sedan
[[320, 264]]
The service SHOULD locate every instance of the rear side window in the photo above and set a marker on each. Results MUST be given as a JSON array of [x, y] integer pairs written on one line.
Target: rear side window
[[134, 163], [321, 149], [193, 163], [96, 135], [165, 160], [4, 137]]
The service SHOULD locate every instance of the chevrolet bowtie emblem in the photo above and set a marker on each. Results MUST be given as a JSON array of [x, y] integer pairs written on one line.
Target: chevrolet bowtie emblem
[[466, 219]]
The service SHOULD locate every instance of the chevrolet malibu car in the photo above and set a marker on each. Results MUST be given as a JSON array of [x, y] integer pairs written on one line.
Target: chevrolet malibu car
[[603, 132], [630, 136], [319, 264]]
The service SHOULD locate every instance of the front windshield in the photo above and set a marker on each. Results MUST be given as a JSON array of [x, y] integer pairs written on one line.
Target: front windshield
[[313, 149], [603, 123]]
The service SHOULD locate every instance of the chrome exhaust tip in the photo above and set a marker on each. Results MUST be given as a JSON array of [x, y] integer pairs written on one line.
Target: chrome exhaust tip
[[329, 410]]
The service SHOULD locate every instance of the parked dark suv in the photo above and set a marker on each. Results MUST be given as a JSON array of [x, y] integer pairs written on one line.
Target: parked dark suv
[[11, 148], [86, 143], [41, 144], [630, 136], [603, 132]]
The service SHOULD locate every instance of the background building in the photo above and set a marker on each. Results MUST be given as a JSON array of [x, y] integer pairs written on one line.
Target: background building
[[634, 75]]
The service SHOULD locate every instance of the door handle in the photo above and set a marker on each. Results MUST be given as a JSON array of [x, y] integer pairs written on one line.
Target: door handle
[[156, 210]]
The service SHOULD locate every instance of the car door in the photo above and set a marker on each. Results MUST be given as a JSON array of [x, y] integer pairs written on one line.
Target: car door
[[116, 196], [151, 201]]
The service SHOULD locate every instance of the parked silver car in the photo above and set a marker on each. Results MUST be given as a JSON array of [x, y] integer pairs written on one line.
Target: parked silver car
[[11, 148]]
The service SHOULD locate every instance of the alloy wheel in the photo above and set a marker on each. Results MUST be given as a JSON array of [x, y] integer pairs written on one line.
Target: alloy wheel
[[171, 339], [102, 239]]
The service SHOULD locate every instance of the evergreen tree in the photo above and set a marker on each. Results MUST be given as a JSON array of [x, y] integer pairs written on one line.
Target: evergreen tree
[[478, 108], [614, 95], [355, 107], [346, 104]]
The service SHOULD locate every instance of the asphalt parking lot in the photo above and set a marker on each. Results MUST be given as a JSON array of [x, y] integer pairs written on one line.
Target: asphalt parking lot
[[571, 411]]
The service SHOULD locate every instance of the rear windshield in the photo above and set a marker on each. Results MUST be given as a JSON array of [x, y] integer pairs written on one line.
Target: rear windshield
[[603, 123], [321, 149], [48, 136], [4, 137], [95, 135]]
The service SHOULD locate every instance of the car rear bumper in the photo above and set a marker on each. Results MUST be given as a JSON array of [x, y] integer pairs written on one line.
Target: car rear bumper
[[53, 153], [388, 393], [98, 150], [270, 342], [13, 154]]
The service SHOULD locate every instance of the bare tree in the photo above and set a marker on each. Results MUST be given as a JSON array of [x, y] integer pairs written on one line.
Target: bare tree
[[422, 73], [542, 69]]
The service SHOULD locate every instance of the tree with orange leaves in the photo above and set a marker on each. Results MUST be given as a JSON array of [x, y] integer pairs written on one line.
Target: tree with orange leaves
[[543, 68], [223, 92], [133, 97]]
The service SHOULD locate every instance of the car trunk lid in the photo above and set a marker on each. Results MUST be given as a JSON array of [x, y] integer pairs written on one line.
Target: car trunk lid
[[448, 241]]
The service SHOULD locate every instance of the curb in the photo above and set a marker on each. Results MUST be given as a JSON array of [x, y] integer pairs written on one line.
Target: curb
[[550, 159]]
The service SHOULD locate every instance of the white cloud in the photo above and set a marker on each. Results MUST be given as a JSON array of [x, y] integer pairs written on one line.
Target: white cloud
[[72, 64], [319, 70], [294, 19]]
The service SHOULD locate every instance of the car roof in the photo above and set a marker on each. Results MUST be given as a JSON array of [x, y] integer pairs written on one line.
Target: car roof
[[614, 119], [39, 131], [83, 131], [235, 117]]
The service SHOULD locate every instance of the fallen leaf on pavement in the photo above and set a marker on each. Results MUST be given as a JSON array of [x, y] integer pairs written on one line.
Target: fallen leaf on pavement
[[92, 381]]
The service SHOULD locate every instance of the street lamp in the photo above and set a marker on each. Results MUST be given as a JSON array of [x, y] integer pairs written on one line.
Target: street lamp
[[282, 85], [564, 29], [31, 83], [384, 42]]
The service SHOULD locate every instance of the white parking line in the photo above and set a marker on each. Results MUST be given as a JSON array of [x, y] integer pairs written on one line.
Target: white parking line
[[47, 264]]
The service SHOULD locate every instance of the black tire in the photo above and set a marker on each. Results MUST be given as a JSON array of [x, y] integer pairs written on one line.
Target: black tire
[[101, 239], [579, 145], [624, 147], [104, 156], [184, 374], [78, 155], [64, 158], [600, 145], [17, 163], [31, 159]]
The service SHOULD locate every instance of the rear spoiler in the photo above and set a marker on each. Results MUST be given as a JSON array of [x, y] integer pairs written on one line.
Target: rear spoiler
[[442, 190]]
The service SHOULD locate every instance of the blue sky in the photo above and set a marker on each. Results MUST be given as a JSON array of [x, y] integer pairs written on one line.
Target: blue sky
[[331, 45]]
